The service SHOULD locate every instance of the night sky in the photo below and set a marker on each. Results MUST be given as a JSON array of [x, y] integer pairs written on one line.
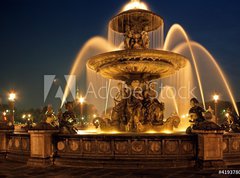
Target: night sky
[[39, 37]]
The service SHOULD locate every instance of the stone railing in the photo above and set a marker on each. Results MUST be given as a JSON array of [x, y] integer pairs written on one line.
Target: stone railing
[[46, 147], [18, 147], [126, 150], [231, 148]]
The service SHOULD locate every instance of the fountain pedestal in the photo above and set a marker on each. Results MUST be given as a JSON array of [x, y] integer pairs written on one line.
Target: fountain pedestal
[[210, 149], [41, 147]]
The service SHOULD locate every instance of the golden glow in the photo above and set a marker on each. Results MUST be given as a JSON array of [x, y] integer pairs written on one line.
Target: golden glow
[[170, 35], [113, 132], [81, 100], [227, 114], [4, 113], [167, 131], [94, 115], [216, 98], [151, 132], [183, 116], [221, 74], [97, 43], [84, 132], [12, 97], [96, 131], [135, 4], [24, 116], [29, 115]]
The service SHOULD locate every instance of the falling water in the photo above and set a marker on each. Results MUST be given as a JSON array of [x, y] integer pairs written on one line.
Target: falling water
[[182, 83], [93, 46], [171, 38], [168, 97], [209, 58]]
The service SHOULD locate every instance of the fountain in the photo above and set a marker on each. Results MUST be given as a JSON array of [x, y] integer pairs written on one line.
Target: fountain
[[136, 134], [136, 106], [136, 54]]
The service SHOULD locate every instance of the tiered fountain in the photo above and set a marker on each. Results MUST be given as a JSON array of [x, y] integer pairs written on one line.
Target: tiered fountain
[[136, 107], [136, 135]]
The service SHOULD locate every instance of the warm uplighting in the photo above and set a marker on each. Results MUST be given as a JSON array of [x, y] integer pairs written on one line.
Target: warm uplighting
[[167, 131], [183, 116], [151, 132], [216, 97], [12, 97], [135, 4]]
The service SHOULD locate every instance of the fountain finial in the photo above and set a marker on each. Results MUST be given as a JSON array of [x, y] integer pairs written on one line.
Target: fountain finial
[[135, 4]]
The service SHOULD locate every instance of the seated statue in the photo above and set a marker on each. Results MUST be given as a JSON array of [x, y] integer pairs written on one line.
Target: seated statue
[[231, 122], [118, 115], [67, 120], [196, 112], [50, 116]]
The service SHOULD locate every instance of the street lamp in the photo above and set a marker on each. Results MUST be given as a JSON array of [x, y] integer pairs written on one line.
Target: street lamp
[[81, 101], [12, 99], [216, 98]]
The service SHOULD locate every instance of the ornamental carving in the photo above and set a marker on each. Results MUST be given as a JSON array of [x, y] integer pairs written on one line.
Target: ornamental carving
[[60, 146]]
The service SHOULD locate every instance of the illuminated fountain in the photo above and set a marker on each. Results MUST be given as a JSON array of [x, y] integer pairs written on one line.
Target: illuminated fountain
[[139, 63], [136, 107], [136, 134]]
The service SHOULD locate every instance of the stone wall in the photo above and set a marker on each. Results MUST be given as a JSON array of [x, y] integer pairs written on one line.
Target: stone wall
[[112, 151], [231, 149], [18, 147], [148, 151]]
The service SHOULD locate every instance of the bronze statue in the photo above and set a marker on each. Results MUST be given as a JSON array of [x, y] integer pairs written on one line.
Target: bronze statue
[[50, 116], [145, 38], [67, 120]]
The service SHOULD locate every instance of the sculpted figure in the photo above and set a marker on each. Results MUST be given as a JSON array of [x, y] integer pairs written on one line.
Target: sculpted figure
[[134, 107], [128, 36], [50, 116], [67, 120], [118, 115], [196, 112], [137, 41], [145, 38]]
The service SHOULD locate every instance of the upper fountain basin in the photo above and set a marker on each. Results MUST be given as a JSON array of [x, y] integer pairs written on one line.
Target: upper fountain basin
[[137, 19], [137, 64]]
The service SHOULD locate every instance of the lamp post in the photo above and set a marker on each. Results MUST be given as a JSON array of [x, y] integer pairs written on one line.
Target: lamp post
[[81, 101], [12, 99], [216, 98]]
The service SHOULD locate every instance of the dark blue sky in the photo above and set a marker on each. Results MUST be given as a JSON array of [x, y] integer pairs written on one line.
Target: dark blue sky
[[39, 37]]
